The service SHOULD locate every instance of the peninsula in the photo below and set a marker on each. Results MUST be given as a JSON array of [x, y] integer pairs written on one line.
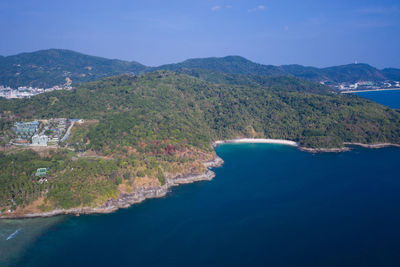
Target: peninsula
[[142, 134]]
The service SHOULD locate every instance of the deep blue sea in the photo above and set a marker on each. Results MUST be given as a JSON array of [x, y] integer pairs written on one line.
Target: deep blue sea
[[269, 205], [387, 98]]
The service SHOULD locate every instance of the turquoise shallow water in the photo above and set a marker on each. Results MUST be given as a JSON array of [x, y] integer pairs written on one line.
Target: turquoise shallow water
[[268, 205]]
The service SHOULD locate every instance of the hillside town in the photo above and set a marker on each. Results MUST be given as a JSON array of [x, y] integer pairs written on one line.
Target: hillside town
[[366, 85], [44, 133], [27, 92]]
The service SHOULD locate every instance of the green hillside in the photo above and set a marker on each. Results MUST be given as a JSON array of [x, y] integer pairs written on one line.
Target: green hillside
[[308, 73], [51, 67], [166, 99], [229, 64], [239, 65], [162, 124], [284, 83], [337, 74], [353, 72]]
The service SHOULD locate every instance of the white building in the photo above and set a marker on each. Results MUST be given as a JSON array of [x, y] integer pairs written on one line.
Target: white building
[[40, 140]]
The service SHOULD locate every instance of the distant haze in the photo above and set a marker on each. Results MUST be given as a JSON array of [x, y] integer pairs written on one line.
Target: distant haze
[[155, 32]]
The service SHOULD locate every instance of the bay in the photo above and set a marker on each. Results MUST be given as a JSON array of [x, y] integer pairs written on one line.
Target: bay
[[268, 205]]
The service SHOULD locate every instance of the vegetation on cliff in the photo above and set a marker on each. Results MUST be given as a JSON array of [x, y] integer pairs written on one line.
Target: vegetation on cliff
[[179, 108], [161, 124]]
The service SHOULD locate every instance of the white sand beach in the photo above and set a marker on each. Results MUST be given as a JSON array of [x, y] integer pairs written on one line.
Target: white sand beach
[[258, 140]]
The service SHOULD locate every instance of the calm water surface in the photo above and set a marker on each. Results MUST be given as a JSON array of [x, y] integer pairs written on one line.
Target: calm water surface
[[387, 98], [268, 205]]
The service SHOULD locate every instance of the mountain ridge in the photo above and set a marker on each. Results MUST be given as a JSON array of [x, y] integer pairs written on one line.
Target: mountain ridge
[[46, 68]]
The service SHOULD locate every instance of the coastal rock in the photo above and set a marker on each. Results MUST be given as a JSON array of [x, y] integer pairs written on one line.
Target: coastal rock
[[126, 200], [215, 162], [324, 150], [346, 148], [380, 145]]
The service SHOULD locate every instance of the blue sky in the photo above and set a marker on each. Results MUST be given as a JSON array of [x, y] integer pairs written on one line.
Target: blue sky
[[154, 32]]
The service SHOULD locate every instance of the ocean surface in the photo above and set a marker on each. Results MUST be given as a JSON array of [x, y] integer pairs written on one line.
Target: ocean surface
[[268, 205], [387, 98]]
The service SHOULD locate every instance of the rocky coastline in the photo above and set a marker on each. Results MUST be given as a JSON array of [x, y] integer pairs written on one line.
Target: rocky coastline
[[324, 150], [127, 200], [346, 147], [379, 145], [305, 149]]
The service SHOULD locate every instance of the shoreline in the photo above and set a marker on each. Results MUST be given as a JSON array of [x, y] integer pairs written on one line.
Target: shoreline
[[371, 90], [346, 147], [256, 141], [378, 145], [128, 199]]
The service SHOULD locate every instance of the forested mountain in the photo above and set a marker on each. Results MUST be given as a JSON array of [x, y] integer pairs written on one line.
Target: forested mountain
[[353, 73], [161, 124], [47, 68], [308, 73], [392, 74], [229, 64], [240, 65], [285, 83], [51, 67], [218, 111], [337, 74]]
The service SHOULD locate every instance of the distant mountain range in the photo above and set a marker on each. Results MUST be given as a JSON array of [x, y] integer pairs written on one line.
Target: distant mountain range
[[51, 67], [239, 65]]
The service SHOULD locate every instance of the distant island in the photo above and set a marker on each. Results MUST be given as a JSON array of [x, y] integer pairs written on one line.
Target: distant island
[[109, 142]]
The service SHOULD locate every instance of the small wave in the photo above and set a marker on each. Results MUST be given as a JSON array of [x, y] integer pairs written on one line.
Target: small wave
[[13, 234]]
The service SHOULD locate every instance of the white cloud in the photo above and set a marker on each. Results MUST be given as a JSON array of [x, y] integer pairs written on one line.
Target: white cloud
[[217, 8], [377, 10], [373, 24], [258, 8]]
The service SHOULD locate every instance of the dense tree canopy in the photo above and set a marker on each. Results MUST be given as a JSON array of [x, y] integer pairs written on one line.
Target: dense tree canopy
[[158, 124]]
